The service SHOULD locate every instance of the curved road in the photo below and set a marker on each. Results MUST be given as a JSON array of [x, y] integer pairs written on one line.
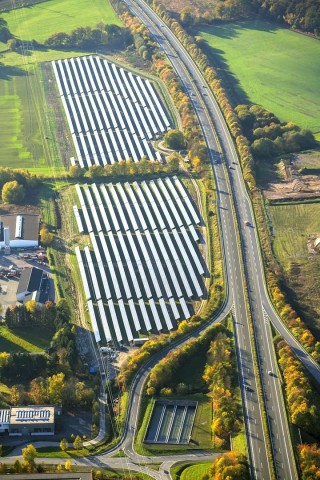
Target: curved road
[[234, 210], [232, 195]]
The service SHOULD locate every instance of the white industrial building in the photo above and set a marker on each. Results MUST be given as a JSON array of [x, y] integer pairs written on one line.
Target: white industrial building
[[19, 231], [29, 420]]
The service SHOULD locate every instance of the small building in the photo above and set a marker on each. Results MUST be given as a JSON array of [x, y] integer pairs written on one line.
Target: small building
[[32, 420], [4, 420], [20, 231], [30, 284]]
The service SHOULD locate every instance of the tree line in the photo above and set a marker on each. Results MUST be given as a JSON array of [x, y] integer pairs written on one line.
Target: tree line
[[107, 35], [303, 400], [298, 14], [127, 169], [160, 65], [296, 325]]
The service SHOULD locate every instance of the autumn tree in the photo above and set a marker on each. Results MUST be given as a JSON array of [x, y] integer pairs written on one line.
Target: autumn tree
[[56, 385], [68, 466], [31, 306], [38, 391], [77, 444], [64, 444], [29, 453], [13, 192], [46, 237], [229, 466], [309, 457]]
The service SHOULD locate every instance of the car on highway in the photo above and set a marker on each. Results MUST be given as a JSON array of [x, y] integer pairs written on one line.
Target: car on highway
[[247, 223]]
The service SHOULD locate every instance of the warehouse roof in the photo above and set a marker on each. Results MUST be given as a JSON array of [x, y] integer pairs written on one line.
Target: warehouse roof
[[30, 280], [30, 225]]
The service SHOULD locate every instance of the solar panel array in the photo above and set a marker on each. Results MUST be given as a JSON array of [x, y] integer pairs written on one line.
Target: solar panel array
[[145, 266], [112, 114]]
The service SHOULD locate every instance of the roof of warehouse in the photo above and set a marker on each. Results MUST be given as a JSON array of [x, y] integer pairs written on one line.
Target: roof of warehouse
[[30, 227], [30, 280]]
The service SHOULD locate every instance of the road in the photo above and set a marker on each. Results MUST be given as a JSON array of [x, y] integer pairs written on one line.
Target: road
[[232, 194], [234, 209]]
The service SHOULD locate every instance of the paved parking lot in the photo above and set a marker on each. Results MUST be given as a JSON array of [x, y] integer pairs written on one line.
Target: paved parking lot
[[9, 285]]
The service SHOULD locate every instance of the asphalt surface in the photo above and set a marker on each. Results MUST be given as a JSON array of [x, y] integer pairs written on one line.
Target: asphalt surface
[[234, 211], [232, 192]]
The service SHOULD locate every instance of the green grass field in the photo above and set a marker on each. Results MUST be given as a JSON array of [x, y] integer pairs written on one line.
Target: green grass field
[[24, 339], [293, 224], [195, 472], [25, 118], [42, 20], [274, 67]]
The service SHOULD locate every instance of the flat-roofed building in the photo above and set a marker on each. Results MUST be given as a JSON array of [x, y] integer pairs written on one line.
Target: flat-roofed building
[[32, 420], [20, 230]]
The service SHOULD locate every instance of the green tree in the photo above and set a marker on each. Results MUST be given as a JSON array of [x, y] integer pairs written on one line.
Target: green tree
[[175, 140], [75, 171], [13, 192]]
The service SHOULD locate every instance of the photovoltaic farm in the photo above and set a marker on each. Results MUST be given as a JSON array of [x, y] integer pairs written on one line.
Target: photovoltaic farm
[[171, 422], [112, 114], [145, 267]]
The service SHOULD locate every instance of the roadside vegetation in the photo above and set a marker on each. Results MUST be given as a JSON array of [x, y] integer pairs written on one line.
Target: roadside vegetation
[[211, 379]]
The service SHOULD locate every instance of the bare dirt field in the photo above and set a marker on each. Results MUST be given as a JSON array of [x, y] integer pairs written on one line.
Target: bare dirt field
[[301, 178]]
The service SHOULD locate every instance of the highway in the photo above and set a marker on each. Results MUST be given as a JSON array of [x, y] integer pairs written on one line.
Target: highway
[[243, 273], [234, 202]]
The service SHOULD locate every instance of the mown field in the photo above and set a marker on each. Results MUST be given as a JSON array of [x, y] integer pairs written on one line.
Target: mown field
[[42, 20], [293, 224], [274, 67], [27, 127]]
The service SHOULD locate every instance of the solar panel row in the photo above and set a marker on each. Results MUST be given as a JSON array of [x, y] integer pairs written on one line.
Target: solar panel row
[[108, 121], [137, 263]]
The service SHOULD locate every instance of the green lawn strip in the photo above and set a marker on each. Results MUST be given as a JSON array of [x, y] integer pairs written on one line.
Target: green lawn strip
[[257, 70], [239, 441], [24, 339], [56, 452], [40, 21], [195, 472], [189, 471]]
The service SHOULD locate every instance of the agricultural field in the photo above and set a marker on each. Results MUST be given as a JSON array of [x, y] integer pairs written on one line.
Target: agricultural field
[[295, 227], [283, 80], [146, 266], [40, 21], [112, 114], [26, 119]]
